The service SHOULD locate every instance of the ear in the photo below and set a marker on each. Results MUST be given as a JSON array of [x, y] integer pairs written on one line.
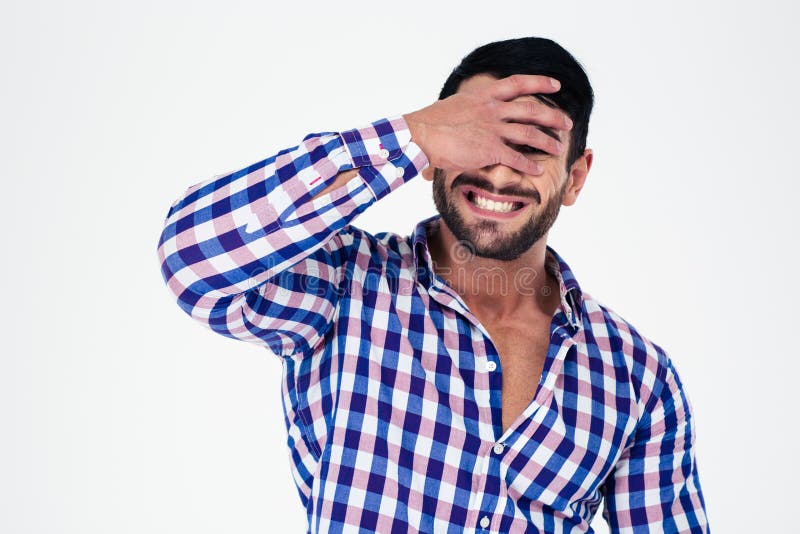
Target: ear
[[577, 177], [427, 173]]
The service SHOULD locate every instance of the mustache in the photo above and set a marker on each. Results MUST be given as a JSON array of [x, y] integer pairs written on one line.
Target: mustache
[[480, 183]]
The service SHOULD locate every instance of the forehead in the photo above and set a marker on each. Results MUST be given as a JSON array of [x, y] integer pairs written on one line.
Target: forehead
[[478, 81]]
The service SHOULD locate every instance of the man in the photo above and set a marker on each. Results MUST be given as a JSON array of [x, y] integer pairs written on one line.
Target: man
[[458, 379]]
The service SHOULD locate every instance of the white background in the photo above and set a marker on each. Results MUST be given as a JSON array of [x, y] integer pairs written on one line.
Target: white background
[[120, 414]]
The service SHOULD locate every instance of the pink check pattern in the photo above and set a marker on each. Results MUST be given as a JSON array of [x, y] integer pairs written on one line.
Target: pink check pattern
[[391, 386]]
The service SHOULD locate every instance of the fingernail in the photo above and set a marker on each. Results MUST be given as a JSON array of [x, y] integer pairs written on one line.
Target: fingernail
[[555, 83]]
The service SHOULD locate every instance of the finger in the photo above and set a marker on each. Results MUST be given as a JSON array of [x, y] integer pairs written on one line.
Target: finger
[[516, 160], [531, 111], [530, 135], [522, 84]]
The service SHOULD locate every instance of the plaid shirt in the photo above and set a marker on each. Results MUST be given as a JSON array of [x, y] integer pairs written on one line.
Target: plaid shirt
[[392, 387]]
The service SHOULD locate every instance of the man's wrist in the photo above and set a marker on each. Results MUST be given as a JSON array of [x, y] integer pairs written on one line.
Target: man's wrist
[[417, 130]]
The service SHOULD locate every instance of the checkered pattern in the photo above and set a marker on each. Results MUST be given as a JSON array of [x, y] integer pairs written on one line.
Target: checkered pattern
[[392, 406]]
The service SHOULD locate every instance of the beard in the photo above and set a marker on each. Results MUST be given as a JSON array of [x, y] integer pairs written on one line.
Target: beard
[[485, 238]]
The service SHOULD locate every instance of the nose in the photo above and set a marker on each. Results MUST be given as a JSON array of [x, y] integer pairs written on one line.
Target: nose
[[503, 177]]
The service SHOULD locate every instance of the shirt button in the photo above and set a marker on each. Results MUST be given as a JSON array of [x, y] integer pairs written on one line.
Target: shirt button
[[384, 153], [491, 366], [498, 448], [399, 172], [485, 521]]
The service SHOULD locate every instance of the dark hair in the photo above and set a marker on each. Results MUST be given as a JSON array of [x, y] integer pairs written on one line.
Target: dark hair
[[535, 55]]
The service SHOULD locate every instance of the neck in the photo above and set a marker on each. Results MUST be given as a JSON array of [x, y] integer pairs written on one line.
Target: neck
[[495, 288]]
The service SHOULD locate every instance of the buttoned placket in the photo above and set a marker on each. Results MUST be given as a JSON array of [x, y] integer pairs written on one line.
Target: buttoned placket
[[483, 504], [440, 292]]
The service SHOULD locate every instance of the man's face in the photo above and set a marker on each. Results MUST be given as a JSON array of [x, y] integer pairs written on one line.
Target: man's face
[[487, 233]]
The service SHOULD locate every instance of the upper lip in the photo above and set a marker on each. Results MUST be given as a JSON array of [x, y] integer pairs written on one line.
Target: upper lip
[[496, 198]]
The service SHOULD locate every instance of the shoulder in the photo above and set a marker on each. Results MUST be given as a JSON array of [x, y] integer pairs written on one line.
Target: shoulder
[[645, 364], [387, 254], [381, 247]]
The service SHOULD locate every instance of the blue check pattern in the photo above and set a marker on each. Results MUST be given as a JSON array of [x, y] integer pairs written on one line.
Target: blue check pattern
[[392, 387]]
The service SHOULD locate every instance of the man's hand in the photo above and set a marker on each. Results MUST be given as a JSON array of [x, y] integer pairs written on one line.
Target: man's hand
[[470, 129]]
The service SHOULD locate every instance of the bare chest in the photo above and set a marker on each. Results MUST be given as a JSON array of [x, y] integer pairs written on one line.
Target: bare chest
[[522, 351]]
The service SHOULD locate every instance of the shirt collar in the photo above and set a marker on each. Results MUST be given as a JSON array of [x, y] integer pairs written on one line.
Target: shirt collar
[[568, 285]]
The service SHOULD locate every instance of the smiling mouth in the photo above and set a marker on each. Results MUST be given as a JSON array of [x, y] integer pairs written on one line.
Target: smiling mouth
[[491, 205]]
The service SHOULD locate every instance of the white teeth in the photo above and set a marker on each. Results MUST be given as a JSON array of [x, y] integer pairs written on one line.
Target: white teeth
[[491, 205]]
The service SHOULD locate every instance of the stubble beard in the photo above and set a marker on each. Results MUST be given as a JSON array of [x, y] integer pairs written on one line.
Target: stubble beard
[[486, 239]]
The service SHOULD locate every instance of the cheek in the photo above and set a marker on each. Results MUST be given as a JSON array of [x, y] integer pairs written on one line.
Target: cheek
[[548, 184]]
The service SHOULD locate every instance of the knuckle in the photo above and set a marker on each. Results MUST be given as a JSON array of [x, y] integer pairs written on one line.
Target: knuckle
[[515, 80]]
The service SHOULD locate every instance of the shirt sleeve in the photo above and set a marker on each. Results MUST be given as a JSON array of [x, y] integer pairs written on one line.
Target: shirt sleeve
[[655, 485], [251, 256]]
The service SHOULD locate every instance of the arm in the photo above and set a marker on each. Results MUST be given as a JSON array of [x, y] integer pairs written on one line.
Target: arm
[[260, 254], [655, 485]]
